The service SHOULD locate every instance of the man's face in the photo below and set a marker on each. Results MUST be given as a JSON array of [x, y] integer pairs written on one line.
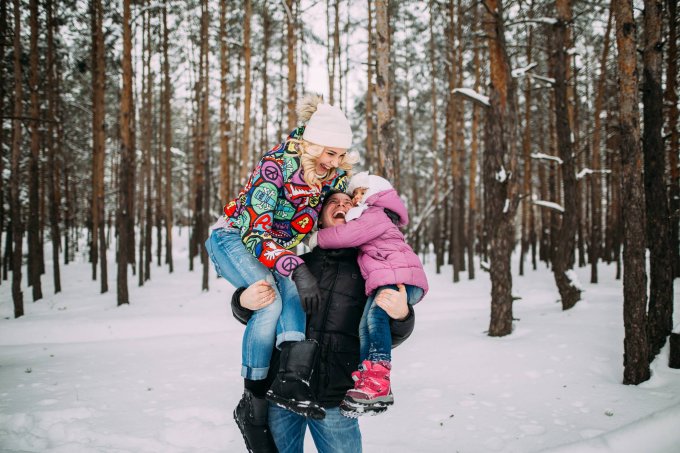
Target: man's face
[[334, 209]]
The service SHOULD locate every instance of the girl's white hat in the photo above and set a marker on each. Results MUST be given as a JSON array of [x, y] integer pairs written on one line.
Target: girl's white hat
[[373, 183]]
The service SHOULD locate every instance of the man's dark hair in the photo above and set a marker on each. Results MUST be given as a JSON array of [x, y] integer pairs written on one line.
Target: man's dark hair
[[332, 192]]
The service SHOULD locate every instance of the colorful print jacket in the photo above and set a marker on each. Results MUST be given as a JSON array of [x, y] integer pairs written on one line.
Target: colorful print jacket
[[276, 209]]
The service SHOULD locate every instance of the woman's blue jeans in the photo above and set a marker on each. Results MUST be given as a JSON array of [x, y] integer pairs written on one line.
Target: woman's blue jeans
[[374, 328], [283, 320], [334, 434]]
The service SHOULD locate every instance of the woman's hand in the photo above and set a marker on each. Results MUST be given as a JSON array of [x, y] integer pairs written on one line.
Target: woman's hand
[[393, 302], [258, 295]]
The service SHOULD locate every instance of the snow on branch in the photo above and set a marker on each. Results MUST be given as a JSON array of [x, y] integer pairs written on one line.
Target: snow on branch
[[473, 96], [521, 72], [549, 204], [548, 80], [542, 156], [537, 20], [589, 171]]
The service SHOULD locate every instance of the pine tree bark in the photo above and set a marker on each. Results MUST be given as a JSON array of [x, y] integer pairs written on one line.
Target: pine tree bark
[[527, 202], [370, 64], [33, 226], [126, 158], [636, 346], [671, 97], [291, 39], [386, 136], [53, 147], [565, 239], [452, 139], [202, 231], [98, 142], [660, 311], [434, 145], [266, 33], [4, 28], [15, 170], [474, 151], [245, 136], [595, 249], [500, 191], [167, 141]]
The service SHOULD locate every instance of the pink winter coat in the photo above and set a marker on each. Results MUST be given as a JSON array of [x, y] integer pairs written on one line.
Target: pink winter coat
[[384, 256]]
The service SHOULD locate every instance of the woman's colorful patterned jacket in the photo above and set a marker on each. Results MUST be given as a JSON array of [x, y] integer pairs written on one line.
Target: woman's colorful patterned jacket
[[276, 209]]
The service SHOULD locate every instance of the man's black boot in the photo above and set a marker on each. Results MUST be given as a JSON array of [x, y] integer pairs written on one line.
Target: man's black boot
[[251, 418], [290, 389]]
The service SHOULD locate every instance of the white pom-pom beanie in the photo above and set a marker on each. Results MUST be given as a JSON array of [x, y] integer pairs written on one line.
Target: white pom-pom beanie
[[328, 126]]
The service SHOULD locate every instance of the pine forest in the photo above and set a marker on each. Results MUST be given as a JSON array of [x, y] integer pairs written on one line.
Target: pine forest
[[520, 133]]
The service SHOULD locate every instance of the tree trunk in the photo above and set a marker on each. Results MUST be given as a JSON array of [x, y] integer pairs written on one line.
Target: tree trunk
[[53, 147], [660, 312], [167, 139], [452, 139], [500, 191], [370, 63], [434, 145], [98, 144], [245, 136], [636, 347], [292, 66], [15, 169], [126, 156], [386, 136], [474, 151], [671, 97], [596, 183], [202, 231], [527, 202], [565, 238], [33, 226], [4, 28]]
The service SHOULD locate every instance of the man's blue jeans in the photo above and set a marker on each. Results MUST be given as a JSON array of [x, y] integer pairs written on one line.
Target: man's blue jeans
[[334, 434], [283, 320], [374, 328]]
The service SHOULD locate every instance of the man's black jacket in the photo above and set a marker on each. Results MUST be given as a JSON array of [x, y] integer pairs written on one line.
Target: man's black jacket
[[336, 325]]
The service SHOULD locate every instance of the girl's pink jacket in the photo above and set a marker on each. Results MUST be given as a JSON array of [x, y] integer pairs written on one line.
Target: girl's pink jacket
[[384, 256]]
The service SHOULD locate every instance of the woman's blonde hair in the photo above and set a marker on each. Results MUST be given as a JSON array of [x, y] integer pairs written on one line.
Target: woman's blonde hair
[[309, 153]]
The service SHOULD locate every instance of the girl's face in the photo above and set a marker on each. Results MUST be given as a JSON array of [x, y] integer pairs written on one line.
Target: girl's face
[[358, 195], [329, 160]]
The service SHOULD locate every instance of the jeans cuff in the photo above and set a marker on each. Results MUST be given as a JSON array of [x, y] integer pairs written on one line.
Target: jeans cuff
[[254, 374], [289, 336]]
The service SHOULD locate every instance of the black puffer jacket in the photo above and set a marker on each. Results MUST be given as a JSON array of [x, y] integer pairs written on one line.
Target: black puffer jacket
[[336, 325]]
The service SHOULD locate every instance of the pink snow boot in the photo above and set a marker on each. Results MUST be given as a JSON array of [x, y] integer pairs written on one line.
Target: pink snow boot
[[371, 394]]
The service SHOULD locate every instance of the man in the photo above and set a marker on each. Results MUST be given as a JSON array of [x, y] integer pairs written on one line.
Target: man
[[335, 327]]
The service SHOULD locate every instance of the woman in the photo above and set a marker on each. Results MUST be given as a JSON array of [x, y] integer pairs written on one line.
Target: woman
[[276, 209], [335, 326]]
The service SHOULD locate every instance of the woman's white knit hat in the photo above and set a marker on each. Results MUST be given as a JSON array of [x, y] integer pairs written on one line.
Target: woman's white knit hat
[[328, 126]]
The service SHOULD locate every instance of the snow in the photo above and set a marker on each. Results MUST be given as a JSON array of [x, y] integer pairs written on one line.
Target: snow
[[520, 72], [473, 95], [78, 374], [542, 156], [549, 204]]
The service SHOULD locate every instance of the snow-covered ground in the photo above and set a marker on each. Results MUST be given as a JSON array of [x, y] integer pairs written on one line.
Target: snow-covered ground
[[78, 374]]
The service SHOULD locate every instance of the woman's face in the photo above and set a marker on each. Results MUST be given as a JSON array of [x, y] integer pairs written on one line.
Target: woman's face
[[329, 160]]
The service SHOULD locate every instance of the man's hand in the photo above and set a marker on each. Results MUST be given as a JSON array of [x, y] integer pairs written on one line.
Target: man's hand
[[393, 302], [258, 295]]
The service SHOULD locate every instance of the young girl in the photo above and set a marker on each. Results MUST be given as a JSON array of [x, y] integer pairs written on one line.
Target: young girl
[[385, 261], [253, 240]]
